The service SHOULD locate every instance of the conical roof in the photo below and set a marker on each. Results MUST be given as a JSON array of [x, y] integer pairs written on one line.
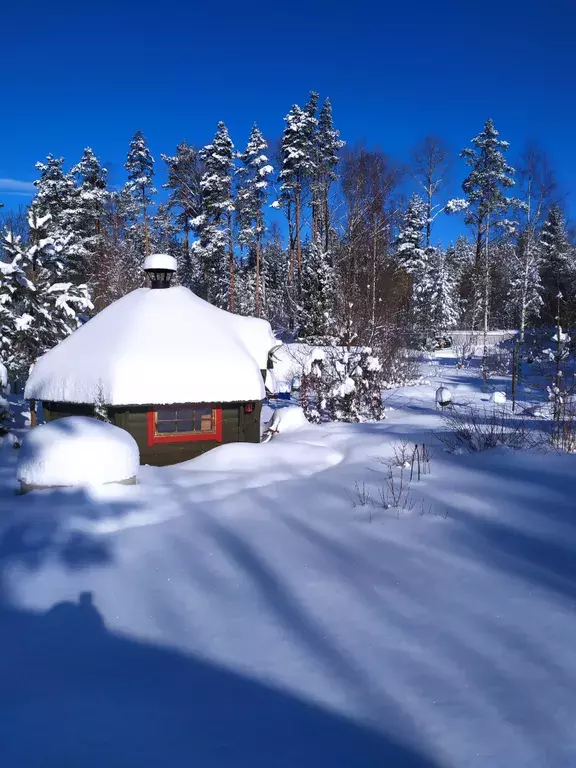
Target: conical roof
[[156, 347]]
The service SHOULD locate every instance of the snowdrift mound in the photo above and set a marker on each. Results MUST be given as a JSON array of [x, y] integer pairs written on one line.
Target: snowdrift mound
[[297, 458], [76, 450]]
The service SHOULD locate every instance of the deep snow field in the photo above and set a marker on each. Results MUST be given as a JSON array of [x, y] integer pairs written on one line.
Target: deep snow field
[[245, 610]]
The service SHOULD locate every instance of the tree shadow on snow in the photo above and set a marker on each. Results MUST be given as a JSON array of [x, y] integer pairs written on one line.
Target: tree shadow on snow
[[75, 694], [540, 549]]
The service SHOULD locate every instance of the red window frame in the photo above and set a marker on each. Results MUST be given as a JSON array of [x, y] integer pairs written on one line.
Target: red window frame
[[190, 437]]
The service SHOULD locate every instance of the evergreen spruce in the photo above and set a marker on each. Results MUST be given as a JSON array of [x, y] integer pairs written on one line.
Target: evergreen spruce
[[140, 167], [414, 259], [557, 264], [485, 207], [87, 250], [317, 298], [44, 308], [214, 248], [185, 198], [297, 153], [252, 192], [327, 144]]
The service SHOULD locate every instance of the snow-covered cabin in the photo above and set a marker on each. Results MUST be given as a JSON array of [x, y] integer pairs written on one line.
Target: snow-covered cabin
[[177, 373]]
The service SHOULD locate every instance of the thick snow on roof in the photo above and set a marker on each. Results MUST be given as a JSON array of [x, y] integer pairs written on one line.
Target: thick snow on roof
[[160, 261], [77, 450], [157, 347]]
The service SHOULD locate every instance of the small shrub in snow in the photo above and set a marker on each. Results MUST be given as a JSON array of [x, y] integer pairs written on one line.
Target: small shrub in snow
[[463, 348], [475, 429], [361, 497], [497, 361]]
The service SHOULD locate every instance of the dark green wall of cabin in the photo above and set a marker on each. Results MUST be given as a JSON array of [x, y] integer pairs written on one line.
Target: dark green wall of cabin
[[237, 426]]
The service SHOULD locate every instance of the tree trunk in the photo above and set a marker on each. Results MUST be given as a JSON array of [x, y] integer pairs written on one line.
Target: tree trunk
[[257, 286], [145, 213], [298, 239], [232, 277], [326, 223]]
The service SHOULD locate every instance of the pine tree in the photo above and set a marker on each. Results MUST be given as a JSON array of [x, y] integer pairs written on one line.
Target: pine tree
[[297, 153], [140, 167], [327, 144], [57, 198], [164, 233], [443, 276], [412, 257], [214, 247], [557, 262], [250, 200], [185, 200], [44, 309], [316, 307], [275, 257], [485, 205], [89, 225]]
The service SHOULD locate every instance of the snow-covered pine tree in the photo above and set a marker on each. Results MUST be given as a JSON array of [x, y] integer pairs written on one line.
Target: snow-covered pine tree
[[214, 247], [327, 144], [251, 195], [44, 308], [317, 296], [87, 249], [185, 199], [275, 257], [164, 233], [57, 197], [443, 275], [297, 153], [412, 257], [484, 207], [557, 265], [140, 167]]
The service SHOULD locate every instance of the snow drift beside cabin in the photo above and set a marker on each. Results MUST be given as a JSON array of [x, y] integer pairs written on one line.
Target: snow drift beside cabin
[[157, 347]]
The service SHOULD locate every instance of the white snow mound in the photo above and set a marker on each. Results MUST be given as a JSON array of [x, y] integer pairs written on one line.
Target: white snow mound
[[157, 347], [77, 450], [298, 458], [288, 419], [498, 397], [3, 377]]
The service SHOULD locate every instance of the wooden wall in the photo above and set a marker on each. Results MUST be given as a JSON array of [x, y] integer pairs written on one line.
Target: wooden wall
[[237, 426]]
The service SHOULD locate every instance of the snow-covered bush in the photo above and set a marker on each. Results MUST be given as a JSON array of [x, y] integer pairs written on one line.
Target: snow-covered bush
[[76, 450], [5, 416], [496, 362], [38, 307]]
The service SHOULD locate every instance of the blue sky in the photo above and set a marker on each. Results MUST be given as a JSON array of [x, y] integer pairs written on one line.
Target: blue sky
[[78, 74]]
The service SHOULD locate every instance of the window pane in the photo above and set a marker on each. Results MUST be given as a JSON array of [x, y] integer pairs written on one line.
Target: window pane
[[186, 413], [166, 427], [203, 420], [166, 414], [185, 426]]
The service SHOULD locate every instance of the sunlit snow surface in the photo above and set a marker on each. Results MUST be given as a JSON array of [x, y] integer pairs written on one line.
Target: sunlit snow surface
[[245, 610]]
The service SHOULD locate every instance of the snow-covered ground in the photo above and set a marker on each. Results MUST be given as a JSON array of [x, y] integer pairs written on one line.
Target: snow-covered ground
[[245, 609]]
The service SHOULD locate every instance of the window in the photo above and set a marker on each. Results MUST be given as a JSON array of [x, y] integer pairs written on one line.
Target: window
[[184, 423]]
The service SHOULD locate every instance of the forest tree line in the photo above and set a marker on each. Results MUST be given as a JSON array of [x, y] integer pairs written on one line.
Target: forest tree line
[[355, 256]]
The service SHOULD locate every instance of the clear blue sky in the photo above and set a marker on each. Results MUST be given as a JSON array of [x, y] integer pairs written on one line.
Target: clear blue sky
[[91, 74]]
